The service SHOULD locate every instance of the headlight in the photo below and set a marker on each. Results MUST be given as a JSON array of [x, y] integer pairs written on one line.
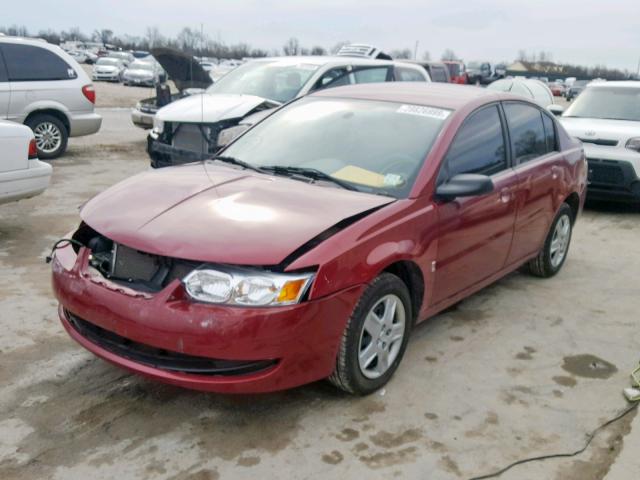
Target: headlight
[[246, 287], [158, 125], [633, 144]]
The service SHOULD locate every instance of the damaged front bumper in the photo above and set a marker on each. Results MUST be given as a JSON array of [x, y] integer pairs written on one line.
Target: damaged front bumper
[[168, 337]]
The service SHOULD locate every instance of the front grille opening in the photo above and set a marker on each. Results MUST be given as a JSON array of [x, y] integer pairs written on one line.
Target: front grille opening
[[163, 359], [133, 268], [605, 173]]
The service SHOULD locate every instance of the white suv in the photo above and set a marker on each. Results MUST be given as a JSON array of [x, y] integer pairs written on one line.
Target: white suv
[[606, 117], [44, 87]]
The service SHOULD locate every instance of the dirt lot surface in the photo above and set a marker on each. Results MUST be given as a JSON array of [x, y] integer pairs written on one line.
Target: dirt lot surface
[[526, 367]]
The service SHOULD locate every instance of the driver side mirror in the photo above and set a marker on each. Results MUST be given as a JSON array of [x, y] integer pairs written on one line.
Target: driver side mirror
[[465, 185]]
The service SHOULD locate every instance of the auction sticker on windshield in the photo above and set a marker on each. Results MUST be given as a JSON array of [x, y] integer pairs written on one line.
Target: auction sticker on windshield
[[431, 112]]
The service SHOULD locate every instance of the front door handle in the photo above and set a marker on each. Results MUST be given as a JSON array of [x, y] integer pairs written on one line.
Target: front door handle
[[505, 195], [554, 172]]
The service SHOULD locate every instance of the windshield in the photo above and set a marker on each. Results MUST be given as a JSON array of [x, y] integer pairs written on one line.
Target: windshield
[[108, 61], [615, 103], [377, 147], [272, 80], [141, 66]]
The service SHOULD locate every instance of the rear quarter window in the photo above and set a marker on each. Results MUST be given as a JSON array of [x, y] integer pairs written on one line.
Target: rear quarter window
[[26, 63]]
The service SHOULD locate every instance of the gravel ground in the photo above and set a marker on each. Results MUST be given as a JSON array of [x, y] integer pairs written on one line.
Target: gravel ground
[[526, 367]]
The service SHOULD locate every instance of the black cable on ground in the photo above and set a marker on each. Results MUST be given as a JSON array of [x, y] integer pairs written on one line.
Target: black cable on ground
[[560, 455]]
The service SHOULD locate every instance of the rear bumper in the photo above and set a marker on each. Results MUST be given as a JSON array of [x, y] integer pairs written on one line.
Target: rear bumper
[[142, 119], [283, 346], [25, 183], [613, 180], [84, 124]]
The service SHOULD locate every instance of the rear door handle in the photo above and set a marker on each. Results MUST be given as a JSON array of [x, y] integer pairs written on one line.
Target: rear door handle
[[554, 172], [505, 195]]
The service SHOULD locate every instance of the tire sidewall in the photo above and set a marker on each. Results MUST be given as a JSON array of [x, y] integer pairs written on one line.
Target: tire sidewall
[[43, 118], [385, 284]]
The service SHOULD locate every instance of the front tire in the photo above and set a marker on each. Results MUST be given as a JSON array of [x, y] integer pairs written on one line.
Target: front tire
[[556, 246], [375, 338], [51, 135]]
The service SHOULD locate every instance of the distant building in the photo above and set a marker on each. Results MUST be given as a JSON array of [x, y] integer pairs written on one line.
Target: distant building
[[550, 70]]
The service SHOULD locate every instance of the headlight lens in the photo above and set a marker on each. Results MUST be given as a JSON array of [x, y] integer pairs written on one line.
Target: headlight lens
[[633, 144], [246, 287], [158, 125]]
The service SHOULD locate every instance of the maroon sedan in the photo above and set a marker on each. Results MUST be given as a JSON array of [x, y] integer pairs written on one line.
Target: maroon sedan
[[312, 245]]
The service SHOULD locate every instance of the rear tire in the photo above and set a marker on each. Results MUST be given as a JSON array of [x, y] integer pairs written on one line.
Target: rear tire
[[556, 246], [375, 338], [51, 135]]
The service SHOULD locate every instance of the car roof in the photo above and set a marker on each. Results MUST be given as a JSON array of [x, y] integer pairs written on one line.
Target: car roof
[[615, 84], [441, 95], [326, 60]]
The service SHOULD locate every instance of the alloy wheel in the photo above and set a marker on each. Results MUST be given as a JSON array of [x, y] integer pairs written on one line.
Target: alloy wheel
[[560, 240], [48, 137], [381, 336]]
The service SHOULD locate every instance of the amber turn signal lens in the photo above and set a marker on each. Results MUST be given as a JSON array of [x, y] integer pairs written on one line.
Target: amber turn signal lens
[[291, 290]]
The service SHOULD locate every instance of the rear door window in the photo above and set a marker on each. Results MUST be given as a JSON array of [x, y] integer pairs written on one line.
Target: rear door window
[[528, 139], [26, 63], [478, 147], [404, 74]]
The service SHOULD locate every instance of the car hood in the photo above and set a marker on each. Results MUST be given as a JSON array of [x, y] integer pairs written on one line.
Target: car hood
[[138, 71], [600, 129], [183, 69], [216, 213], [106, 68], [211, 108]]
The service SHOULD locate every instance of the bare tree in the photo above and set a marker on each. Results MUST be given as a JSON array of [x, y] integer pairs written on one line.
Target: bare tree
[[449, 54], [191, 40], [103, 36], [317, 50], [73, 34], [50, 36], [426, 56], [292, 47], [403, 53], [153, 37], [522, 56], [336, 48]]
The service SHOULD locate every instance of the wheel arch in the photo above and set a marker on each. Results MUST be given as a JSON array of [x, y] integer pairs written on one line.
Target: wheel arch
[[411, 274], [54, 113], [573, 200]]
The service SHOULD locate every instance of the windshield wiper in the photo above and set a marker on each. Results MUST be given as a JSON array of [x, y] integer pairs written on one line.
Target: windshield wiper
[[240, 163], [312, 173]]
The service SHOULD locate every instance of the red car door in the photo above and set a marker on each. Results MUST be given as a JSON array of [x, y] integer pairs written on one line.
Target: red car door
[[537, 162], [475, 233]]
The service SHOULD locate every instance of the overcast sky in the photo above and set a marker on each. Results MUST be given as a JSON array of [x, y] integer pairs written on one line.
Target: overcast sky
[[583, 32]]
